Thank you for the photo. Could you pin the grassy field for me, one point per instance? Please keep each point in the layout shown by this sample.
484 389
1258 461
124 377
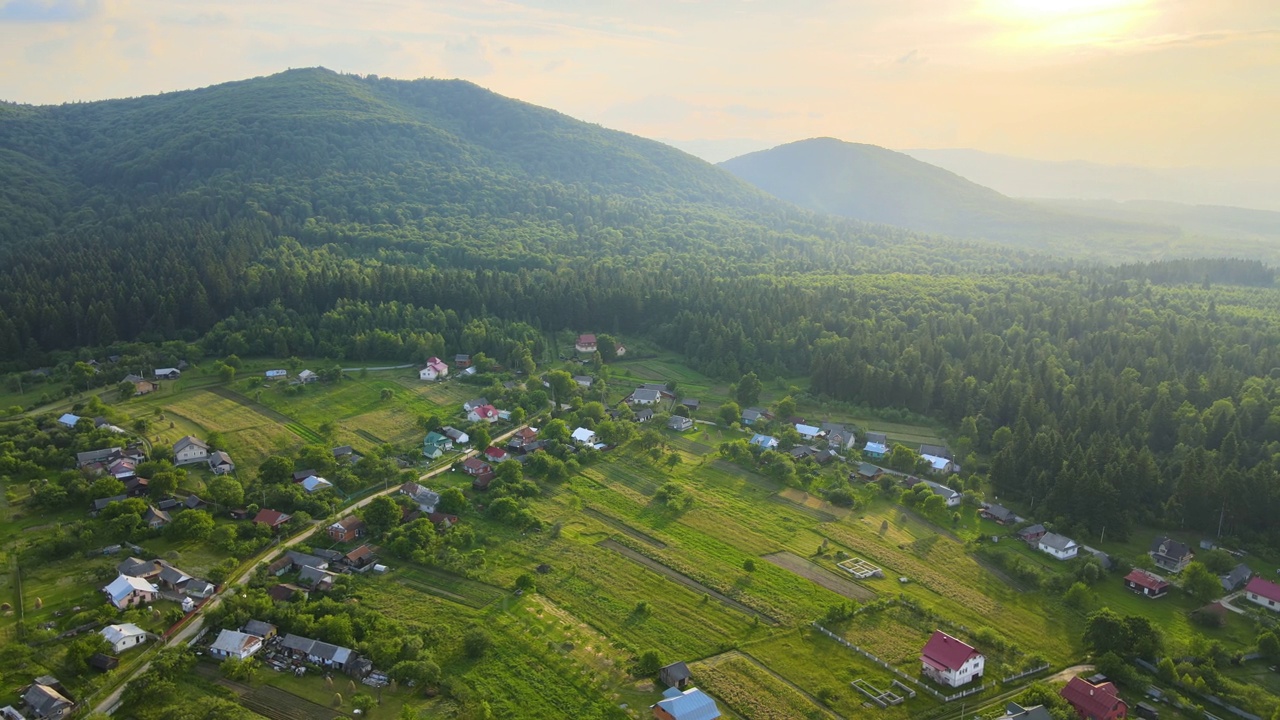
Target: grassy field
753 691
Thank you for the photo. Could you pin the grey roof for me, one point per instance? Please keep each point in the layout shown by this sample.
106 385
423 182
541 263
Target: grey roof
198 586
752 414
233 642
189 440
192 502
1014 711
645 414
692 704
868 469
1032 529
692 403
342 450
172 575
136 567
1170 548
1056 541
475 403
1238 576
313 575
220 458
93 456
43 700
676 422
102 503
936 451
298 643
303 559
877 437
1000 512
259 628
646 395
676 671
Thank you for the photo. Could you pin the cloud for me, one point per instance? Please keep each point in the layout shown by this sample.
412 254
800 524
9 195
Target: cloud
49 11
467 58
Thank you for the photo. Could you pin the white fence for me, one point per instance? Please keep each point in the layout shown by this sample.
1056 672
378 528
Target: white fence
899 673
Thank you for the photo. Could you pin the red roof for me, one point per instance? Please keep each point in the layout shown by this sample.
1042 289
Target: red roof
1099 702
1147 580
271 517
494 453
586 339
475 463
946 652
1264 589
485 412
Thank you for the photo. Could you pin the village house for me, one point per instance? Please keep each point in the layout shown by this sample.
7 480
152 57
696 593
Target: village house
190 450
751 415
495 454
1146 584
425 498
867 472
1094 702
98 459
276 374
125 636
220 463
346 454
315 483
264 630
940 451
273 519
435 369
474 466
1059 546
46 699
766 442
998 513
586 343
315 578
584 381
949 495
462 361
1263 592
1031 534
143 387
838 437
644 396
877 445
948 661
1236 579
347 529
167 373
691 704
808 432
139 568
644 415
583 436
68 420
456 435
939 465
235 644
474 403
483 413
434 445
360 558
679 424
521 438
156 518
126 592
692 403
306 377
1169 554
675 675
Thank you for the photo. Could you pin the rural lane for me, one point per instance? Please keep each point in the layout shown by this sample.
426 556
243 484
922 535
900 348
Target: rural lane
112 701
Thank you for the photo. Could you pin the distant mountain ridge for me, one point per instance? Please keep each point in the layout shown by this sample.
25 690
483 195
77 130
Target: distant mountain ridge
878 185
1257 188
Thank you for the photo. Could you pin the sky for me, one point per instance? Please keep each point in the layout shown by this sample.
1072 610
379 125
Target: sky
1163 83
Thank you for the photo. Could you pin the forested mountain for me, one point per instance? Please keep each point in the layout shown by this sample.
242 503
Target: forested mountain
323 215
157 215
871 183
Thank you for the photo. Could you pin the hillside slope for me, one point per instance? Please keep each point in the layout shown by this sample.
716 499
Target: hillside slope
873 184
158 216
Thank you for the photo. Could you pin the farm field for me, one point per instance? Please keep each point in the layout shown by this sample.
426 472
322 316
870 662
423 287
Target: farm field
753 691
250 436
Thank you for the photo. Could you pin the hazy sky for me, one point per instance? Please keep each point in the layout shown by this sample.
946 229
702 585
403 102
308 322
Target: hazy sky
1152 82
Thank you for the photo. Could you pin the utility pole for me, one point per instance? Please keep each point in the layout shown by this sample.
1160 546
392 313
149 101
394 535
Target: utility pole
1221 514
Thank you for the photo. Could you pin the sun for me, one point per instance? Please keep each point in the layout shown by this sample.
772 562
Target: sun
1064 22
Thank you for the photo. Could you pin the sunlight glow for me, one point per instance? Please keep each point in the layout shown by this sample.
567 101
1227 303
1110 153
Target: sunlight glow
1064 22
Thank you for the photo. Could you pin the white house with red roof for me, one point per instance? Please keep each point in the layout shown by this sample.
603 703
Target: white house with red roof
1094 702
1264 593
948 661
487 413
495 454
585 344
435 369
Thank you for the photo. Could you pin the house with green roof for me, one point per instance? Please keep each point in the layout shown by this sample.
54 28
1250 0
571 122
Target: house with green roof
435 445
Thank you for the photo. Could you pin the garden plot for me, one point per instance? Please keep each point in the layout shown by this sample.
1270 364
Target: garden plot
820 576
883 698
860 568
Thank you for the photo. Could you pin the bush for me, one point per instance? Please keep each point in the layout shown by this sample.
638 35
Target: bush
476 643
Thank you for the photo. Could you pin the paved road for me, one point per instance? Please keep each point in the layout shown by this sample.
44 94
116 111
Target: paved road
192 629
